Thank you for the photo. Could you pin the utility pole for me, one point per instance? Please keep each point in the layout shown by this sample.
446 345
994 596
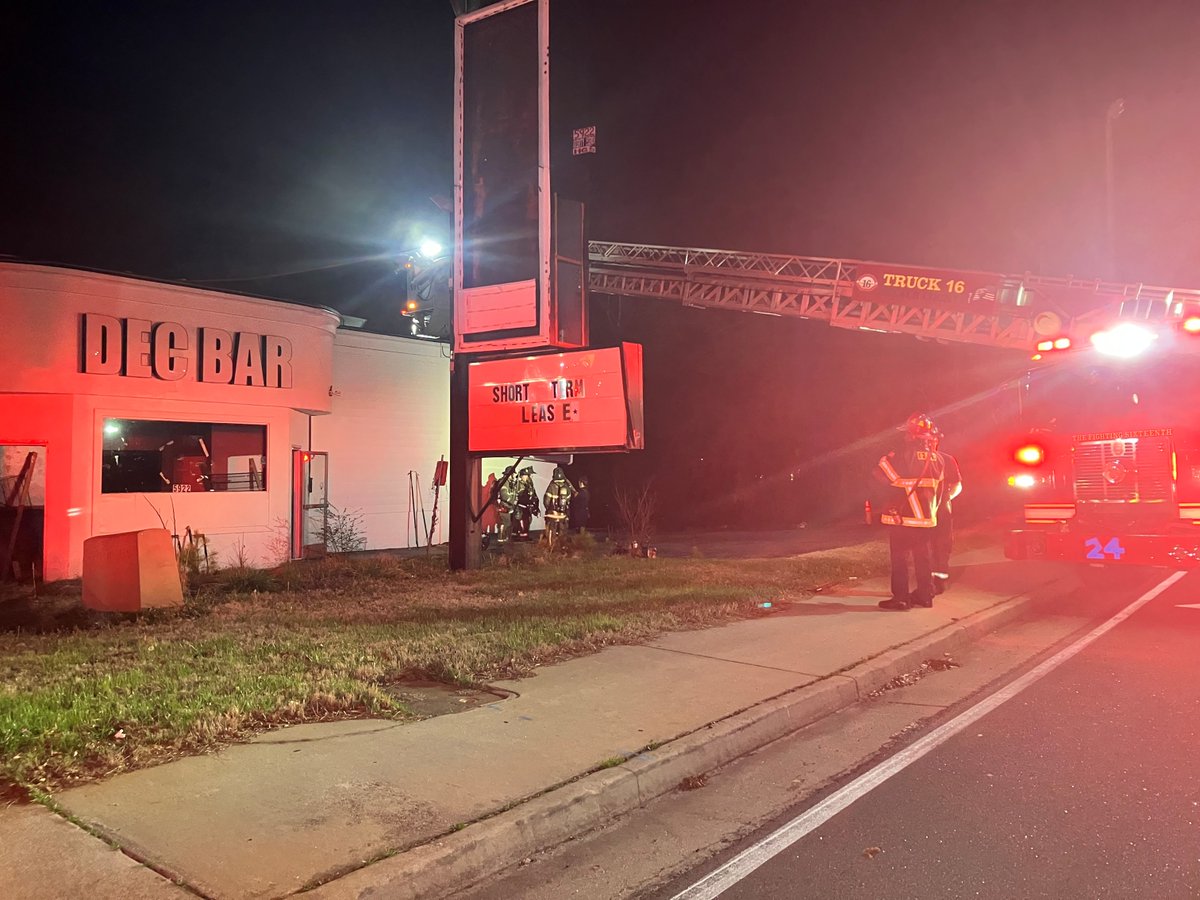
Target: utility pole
1114 112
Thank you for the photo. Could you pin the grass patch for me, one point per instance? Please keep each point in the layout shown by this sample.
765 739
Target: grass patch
88 696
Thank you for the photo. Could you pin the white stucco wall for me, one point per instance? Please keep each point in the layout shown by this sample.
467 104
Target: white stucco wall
391 416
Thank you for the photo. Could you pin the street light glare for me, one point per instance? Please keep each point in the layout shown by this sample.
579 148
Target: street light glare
429 248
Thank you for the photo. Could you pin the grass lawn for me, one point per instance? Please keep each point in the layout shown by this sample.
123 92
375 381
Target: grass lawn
87 698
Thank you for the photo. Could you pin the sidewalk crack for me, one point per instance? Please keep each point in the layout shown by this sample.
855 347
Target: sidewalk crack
736 662
922 705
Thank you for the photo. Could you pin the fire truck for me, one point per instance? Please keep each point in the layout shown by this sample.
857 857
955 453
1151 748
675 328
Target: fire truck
1107 463
1109 468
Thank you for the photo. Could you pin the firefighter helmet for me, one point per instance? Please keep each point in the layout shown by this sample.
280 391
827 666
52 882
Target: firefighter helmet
919 426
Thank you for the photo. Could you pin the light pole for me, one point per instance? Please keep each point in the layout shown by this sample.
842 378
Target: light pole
1114 112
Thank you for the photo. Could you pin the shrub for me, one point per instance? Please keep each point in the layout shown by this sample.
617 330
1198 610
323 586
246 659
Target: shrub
245 580
343 531
636 509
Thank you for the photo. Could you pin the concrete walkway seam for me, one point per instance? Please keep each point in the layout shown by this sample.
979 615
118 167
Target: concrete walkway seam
487 847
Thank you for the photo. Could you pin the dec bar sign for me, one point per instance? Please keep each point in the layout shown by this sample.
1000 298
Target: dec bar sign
579 400
139 348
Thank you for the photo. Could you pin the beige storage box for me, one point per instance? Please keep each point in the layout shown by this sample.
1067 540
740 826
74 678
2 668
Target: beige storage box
132 571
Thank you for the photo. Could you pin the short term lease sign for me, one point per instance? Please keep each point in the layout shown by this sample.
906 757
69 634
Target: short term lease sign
580 400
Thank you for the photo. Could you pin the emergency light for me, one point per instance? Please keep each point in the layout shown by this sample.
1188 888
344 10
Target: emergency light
1123 341
1192 325
1062 343
1030 454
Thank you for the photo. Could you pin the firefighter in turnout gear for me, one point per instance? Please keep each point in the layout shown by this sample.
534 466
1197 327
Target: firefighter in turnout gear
557 499
506 502
914 473
527 504
943 532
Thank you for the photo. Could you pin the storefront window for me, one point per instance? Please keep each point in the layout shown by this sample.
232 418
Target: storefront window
182 457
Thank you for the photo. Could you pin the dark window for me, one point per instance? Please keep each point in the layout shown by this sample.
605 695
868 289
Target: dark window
141 456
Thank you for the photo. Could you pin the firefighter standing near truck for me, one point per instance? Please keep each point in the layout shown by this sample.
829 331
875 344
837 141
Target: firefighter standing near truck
557 500
506 501
914 474
943 532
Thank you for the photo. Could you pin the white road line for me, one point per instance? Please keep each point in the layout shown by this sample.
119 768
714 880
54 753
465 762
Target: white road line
720 880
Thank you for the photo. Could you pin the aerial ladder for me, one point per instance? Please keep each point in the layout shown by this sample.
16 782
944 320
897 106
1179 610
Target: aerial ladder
992 309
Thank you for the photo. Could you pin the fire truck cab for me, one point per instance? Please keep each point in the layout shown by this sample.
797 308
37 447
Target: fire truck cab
1109 464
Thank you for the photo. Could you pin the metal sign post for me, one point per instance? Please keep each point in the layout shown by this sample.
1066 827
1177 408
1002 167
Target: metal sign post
466 540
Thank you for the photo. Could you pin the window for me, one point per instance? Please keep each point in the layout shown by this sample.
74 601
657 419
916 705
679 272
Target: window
182 457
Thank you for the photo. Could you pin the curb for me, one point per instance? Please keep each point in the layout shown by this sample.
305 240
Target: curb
457 861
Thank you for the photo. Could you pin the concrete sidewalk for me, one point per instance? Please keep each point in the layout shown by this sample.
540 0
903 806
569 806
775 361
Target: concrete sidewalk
311 803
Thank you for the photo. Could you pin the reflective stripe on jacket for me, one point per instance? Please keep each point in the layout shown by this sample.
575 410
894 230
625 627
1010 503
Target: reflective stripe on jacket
916 473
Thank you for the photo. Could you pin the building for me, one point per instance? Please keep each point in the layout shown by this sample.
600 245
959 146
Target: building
240 419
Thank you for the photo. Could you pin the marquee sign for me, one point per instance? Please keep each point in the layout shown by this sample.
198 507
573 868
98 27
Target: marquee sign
575 401
905 284
520 258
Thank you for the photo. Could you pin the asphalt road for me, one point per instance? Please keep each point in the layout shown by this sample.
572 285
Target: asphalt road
1086 784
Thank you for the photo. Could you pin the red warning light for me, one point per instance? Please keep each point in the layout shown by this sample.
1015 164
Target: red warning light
1062 343
1030 454
1192 325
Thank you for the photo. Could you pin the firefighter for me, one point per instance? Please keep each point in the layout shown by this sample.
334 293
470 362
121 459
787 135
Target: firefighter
527 504
913 473
557 499
943 532
580 507
506 502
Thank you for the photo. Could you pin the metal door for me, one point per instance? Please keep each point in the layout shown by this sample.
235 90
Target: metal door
310 503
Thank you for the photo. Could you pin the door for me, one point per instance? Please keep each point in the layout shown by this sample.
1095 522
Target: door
310 503
22 511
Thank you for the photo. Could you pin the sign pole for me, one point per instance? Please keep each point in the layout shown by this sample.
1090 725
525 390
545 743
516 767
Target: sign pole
466 541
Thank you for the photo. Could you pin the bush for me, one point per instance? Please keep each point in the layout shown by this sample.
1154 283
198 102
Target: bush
246 580
343 532
636 510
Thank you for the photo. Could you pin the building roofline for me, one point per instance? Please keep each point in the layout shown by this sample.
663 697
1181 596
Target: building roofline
12 263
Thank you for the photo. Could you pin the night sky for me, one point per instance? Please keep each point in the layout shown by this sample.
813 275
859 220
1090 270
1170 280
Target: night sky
219 142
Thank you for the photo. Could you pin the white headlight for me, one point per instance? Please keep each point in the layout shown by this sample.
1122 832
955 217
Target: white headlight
1125 340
